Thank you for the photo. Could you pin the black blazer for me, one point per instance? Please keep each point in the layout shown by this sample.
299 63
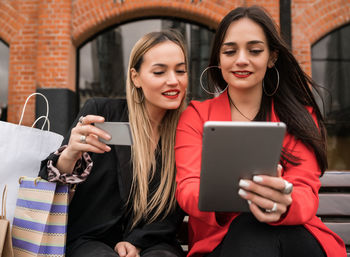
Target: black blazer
98 209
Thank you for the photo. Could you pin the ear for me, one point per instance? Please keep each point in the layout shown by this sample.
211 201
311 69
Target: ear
272 59
135 77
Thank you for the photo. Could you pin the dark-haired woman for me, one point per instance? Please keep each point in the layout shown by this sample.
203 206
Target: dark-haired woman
259 80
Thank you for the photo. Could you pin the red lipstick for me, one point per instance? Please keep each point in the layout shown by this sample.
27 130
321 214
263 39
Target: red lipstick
242 74
171 94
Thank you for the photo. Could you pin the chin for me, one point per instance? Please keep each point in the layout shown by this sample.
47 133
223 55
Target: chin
173 106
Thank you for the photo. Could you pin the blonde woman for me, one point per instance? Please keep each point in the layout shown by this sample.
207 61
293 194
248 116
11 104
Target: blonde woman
125 205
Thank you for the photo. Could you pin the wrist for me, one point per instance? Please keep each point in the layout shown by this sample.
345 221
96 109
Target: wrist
67 160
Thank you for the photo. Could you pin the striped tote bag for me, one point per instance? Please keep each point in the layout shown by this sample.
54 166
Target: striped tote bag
40 222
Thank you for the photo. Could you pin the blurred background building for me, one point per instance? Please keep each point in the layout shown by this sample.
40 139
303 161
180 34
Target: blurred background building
71 50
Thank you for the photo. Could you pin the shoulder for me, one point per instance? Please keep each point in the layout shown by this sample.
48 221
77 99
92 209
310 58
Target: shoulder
204 105
201 108
216 108
311 121
307 111
104 102
313 115
195 111
110 108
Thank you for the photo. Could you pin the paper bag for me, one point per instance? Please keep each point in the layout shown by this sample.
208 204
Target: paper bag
21 151
5 231
40 224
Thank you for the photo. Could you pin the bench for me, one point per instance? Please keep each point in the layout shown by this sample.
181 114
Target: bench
334 207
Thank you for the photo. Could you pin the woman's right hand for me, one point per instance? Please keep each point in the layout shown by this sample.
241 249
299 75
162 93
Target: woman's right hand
84 138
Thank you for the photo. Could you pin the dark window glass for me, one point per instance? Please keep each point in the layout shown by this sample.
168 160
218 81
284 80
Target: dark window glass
4 71
103 60
331 69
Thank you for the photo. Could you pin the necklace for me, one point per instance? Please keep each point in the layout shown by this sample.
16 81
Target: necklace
229 98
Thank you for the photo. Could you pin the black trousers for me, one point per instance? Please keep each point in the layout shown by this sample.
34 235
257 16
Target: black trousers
99 249
247 237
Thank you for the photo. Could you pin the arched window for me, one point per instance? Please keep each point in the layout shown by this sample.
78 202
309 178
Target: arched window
4 71
103 60
331 69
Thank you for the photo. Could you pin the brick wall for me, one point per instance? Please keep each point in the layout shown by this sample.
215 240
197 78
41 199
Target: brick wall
41 50
311 21
43 35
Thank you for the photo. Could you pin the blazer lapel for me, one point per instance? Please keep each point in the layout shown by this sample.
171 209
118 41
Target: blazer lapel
274 117
220 109
124 169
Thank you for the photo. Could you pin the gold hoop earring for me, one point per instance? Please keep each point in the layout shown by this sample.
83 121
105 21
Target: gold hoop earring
133 96
278 83
201 83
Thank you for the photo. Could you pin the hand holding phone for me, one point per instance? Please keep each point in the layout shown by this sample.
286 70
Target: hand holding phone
119 131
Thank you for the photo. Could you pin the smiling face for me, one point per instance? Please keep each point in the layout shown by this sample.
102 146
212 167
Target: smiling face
162 77
245 55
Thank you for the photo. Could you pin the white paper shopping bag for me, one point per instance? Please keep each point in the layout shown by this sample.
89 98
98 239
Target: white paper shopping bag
21 151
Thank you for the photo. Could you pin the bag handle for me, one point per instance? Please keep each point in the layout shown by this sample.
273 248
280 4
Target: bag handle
47 109
3 205
35 180
42 117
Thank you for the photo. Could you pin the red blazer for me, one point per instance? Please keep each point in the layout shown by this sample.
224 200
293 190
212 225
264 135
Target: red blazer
207 229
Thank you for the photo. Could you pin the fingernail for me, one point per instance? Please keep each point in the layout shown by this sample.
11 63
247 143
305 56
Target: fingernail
249 202
243 183
242 192
108 136
108 148
257 179
280 166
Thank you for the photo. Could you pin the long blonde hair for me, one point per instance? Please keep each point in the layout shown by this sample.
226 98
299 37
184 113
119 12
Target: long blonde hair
144 160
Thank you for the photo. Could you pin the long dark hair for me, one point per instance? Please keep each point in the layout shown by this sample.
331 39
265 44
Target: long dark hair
294 92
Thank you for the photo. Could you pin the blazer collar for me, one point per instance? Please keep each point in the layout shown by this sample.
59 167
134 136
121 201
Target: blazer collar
221 109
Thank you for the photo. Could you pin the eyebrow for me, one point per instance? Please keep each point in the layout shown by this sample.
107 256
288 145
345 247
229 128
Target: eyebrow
164 65
252 42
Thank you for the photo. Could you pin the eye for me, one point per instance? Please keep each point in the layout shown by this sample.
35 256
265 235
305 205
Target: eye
181 71
229 52
256 51
158 72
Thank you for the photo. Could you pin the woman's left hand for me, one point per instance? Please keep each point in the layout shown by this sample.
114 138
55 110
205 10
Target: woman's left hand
265 196
125 249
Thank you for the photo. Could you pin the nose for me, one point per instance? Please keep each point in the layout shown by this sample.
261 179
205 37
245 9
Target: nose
172 78
242 58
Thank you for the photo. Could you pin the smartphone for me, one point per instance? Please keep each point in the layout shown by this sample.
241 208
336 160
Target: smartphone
119 131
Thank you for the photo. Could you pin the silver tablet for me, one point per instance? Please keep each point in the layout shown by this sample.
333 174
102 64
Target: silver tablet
235 150
119 131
